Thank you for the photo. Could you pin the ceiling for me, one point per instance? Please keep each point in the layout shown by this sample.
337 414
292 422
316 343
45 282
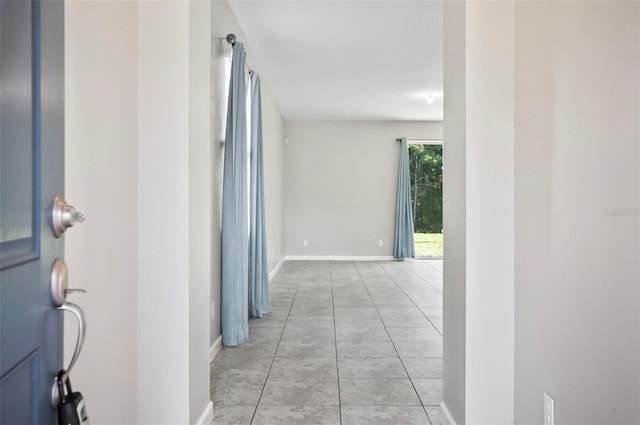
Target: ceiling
347 60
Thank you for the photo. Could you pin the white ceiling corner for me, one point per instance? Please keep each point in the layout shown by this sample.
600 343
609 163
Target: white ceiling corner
347 60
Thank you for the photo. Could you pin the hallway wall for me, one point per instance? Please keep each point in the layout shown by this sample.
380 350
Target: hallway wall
200 205
101 180
577 197
224 22
137 155
489 132
454 210
273 151
552 198
341 184
173 280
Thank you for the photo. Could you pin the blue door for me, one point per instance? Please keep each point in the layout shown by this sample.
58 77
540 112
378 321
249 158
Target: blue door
31 174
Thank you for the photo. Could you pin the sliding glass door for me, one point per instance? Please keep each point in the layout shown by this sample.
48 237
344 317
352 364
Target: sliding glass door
425 162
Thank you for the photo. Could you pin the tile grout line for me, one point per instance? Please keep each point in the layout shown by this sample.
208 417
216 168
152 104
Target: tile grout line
359 270
414 303
425 280
277 346
391 339
427 317
335 341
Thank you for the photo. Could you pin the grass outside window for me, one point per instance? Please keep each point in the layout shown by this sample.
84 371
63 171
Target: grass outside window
428 244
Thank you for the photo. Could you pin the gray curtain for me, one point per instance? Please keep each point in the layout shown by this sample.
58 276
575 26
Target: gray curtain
235 215
259 299
403 241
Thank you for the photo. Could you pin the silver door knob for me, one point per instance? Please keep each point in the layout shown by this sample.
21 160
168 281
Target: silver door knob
64 216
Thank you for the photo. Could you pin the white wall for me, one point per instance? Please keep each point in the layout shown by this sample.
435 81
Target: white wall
341 183
200 206
100 174
137 162
490 212
552 197
454 210
224 22
173 130
273 134
577 183
163 213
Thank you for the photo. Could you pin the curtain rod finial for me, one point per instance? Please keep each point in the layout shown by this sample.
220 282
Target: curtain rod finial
231 38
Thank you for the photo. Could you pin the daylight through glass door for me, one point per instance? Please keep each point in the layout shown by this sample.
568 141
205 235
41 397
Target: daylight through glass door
425 162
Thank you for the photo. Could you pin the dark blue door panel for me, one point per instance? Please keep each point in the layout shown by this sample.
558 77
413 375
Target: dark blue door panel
31 174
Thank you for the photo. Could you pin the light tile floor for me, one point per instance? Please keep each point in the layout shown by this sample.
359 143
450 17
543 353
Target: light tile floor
348 343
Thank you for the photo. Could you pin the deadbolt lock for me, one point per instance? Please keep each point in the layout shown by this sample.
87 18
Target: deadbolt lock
64 216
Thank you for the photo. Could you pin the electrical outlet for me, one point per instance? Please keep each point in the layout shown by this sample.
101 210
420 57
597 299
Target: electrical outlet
213 309
305 242
380 242
549 410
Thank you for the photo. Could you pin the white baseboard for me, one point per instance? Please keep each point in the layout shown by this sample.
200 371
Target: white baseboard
215 348
276 268
447 415
339 257
207 415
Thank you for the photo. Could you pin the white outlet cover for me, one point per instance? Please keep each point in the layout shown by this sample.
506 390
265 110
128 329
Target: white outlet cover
549 410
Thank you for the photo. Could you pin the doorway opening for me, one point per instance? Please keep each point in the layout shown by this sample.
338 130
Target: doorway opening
425 168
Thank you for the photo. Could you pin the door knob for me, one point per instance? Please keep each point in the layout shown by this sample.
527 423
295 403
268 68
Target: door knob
64 216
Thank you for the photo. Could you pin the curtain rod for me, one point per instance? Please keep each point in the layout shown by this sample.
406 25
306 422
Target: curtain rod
421 140
231 38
